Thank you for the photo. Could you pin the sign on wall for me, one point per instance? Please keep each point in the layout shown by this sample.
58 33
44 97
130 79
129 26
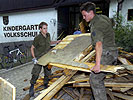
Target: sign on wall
24 26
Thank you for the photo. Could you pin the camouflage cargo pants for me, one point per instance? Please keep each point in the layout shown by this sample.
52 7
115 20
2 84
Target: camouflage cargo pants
36 71
97 79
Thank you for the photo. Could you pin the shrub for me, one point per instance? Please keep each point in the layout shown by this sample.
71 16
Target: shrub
123 34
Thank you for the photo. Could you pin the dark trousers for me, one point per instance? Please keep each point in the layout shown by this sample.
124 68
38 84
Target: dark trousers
97 79
36 71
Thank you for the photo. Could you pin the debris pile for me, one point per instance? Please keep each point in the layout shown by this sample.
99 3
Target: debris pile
74 80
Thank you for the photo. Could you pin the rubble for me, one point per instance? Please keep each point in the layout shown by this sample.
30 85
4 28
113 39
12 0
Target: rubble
74 79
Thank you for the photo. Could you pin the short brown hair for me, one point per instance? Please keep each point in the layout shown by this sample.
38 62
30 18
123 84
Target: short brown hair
42 23
88 6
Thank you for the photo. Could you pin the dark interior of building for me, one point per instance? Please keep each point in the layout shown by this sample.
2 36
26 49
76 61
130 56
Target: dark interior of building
69 17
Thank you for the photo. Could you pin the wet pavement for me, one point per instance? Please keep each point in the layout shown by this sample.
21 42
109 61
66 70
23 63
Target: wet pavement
20 77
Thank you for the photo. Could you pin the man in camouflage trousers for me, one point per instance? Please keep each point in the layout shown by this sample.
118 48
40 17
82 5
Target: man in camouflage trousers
103 41
40 46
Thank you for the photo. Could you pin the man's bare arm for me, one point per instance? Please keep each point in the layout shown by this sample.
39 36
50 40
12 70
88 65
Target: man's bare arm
98 49
32 51
55 42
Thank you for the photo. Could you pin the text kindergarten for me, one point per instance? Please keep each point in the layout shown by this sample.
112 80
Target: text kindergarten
21 31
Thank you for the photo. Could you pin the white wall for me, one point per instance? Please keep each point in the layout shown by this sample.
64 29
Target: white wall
127 4
29 18
112 8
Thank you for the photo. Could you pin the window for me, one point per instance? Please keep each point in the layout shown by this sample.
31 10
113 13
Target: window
130 15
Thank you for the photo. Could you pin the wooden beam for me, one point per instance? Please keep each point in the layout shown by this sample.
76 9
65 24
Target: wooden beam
83 54
129 68
81 93
107 84
76 92
124 61
130 92
107 68
62 93
123 96
58 87
126 52
69 67
68 93
119 89
55 87
67 40
78 81
46 91
89 56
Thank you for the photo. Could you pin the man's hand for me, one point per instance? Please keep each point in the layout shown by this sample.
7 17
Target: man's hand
58 41
96 68
35 61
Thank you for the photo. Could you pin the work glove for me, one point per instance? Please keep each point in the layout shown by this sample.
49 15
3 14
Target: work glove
35 61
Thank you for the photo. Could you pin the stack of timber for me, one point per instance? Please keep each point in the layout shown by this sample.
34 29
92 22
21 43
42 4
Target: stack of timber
7 90
75 55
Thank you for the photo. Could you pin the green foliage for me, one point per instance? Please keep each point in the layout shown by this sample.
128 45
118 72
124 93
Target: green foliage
123 34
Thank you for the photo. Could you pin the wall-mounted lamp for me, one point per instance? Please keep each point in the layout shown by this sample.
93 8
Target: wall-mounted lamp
53 21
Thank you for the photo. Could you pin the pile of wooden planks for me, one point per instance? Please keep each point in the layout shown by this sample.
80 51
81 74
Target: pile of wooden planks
75 55
76 85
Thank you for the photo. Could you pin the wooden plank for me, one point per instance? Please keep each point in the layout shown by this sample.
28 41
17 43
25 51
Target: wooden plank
126 52
128 67
107 68
69 67
7 90
89 56
67 40
130 92
45 92
55 86
107 84
58 87
68 93
119 89
83 54
78 81
76 92
62 93
81 93
123 96
56 75
124 61
80 76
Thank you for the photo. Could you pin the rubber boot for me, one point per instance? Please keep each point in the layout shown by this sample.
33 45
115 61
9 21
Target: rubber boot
31 91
